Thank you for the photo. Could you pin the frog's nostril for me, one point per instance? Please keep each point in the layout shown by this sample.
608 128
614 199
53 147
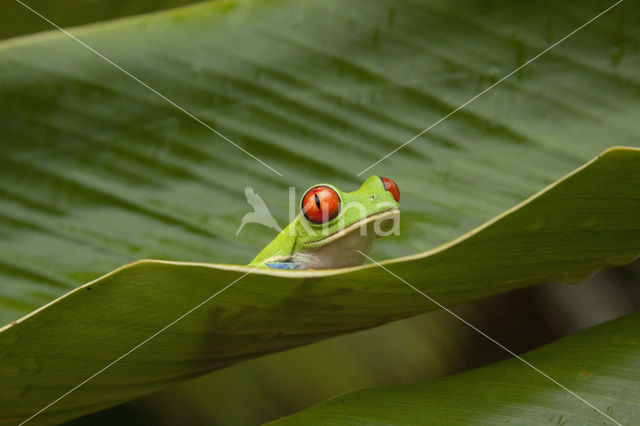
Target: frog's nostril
373 197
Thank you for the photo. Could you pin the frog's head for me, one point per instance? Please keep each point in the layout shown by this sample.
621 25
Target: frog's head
337 223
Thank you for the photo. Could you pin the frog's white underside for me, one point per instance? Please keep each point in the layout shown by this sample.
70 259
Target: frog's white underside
340 250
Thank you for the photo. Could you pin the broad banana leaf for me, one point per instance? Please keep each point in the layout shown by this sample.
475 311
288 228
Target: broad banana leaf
97 171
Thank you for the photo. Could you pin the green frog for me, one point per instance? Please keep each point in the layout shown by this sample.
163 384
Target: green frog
334 228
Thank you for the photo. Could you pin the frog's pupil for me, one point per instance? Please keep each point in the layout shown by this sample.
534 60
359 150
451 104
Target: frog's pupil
317 201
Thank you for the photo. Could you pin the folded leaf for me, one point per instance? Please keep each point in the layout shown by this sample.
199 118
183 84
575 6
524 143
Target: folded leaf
584 222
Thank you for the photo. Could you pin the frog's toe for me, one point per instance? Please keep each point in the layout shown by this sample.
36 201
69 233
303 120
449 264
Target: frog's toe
284 265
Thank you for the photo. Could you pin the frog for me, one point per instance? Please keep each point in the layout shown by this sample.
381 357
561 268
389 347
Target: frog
334 229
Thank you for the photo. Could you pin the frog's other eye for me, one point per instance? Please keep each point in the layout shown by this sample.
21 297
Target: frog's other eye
391 186
320 204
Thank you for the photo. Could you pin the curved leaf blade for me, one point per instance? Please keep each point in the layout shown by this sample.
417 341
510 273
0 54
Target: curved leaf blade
584 222
600 364
16 20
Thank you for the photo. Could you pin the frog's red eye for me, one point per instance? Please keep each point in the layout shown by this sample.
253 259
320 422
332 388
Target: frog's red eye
320 204
391 186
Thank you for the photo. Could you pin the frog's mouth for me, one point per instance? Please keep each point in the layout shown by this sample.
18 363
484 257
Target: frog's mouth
345 247
378 224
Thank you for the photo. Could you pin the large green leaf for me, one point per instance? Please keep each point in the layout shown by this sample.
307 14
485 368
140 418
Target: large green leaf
586 221
601 365
16 19
97 171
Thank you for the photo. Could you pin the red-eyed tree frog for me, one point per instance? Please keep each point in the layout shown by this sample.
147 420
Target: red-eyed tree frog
333 226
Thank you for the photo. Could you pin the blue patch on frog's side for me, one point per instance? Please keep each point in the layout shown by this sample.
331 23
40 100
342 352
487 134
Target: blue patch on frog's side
283 265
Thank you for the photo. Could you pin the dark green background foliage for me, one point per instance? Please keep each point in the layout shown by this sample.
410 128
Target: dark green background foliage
97 171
